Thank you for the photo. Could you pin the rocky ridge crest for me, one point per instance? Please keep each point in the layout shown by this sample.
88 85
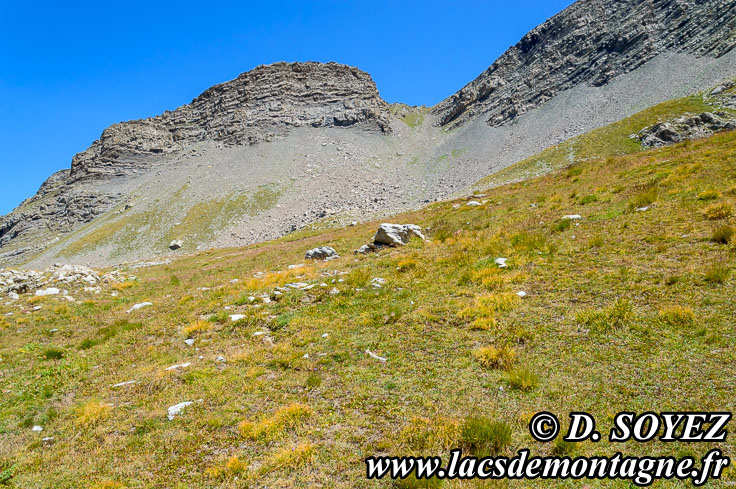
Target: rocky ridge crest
589 42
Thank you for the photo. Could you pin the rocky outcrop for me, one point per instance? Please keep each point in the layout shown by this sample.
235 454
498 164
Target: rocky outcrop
257 106
685 127
590 42
724 95
392 235
14 282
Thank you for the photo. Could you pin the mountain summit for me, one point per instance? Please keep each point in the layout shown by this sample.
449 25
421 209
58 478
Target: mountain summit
288 145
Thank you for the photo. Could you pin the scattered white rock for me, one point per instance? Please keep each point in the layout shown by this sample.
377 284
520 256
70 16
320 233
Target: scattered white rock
521 293
572 217
325 253
373 355
474 203
260 333
176 244
49 291
139 306
177 408
298 265
37 308
325 335
37 428
455 206
643 209
122 384
220 359
177 367
305 356
234 281
334 291
236 317
501 262
378 282
13 296
94 290
189 342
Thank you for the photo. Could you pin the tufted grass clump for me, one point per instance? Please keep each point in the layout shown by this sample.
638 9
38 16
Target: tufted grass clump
644 198
233 467
486 307
197 327
715 212
562 225
483 436
528 241
522 379
53 353
709 194
421 434
285 418
722 234
588 199
92 413
489 278
291 457
616 316
107 484
495 358
677 316
717 272
406 264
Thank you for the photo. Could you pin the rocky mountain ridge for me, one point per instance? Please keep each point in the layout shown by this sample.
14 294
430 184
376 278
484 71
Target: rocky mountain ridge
257 106
590 42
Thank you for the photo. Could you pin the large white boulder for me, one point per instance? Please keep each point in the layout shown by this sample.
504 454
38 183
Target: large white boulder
396 234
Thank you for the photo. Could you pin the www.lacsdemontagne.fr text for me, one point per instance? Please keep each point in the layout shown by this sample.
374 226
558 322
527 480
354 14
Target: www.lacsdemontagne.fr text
642 471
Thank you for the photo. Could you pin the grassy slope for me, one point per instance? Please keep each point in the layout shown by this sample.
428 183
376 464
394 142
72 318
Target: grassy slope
442 301
610 140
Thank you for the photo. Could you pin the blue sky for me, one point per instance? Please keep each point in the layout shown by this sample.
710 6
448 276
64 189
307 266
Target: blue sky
70 69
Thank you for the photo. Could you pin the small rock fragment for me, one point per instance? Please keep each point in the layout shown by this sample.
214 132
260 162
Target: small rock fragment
176 409
139 306
373 355
177 367
49 291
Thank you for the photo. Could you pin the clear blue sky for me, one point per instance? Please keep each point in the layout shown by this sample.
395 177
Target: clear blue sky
70 69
